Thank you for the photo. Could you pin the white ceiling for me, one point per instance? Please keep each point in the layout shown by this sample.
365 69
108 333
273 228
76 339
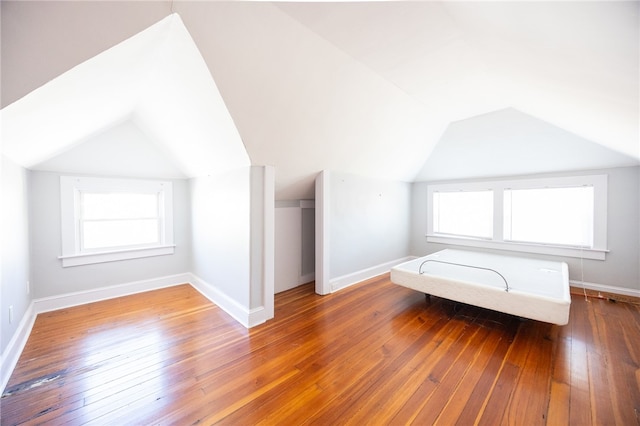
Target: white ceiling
363 88
520 145
560 61
120 150
155 81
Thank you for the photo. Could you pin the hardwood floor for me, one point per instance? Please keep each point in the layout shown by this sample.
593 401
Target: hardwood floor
374 353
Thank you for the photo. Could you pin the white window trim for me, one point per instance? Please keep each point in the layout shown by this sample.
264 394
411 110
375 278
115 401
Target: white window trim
70 187
599 183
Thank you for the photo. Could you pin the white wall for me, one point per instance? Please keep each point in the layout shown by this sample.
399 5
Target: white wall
232 235
220 221
294 244
369 222
288 248
223 232
49 278
622 265
15 249
364 227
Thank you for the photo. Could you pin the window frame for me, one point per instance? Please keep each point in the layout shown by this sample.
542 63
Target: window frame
70 189
599 183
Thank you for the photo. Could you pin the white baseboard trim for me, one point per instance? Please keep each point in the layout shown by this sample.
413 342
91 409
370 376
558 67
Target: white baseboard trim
16 345
12 352
347 280
227 304
68 300
304 279
605 288
248 318
258 316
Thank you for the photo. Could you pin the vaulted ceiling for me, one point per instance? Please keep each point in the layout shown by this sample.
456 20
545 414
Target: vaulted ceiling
393 90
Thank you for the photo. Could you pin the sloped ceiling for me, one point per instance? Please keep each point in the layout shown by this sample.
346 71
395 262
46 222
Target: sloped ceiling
122 150
520 145
156 81
363 88
562 62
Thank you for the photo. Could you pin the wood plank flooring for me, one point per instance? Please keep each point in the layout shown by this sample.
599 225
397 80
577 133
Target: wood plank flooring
374 353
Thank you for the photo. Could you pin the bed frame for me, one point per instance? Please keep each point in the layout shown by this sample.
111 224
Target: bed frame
529 288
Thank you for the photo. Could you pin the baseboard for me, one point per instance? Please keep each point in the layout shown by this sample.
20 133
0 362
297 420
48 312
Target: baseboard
305 279
606 290
257 316
17 343
68 300
347 280
227 304
12 352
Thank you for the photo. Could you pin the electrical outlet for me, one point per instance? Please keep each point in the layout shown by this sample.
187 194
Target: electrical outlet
10 314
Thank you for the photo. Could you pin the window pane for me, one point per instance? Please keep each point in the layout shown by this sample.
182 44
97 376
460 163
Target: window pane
561 216
119 233
119 205
467 214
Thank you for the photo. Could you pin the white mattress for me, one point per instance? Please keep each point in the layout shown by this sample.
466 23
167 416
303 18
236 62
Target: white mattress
538 289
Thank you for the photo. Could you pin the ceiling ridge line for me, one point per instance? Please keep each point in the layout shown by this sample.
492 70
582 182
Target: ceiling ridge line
354 59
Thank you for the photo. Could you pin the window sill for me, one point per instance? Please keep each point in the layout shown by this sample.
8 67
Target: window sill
115 255
594 254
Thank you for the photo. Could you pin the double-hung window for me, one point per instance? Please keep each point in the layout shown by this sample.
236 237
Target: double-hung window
114 219
560 216
463 213
564 216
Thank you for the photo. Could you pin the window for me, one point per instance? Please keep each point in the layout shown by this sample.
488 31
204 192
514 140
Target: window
468 214
114 219
110 220
562 216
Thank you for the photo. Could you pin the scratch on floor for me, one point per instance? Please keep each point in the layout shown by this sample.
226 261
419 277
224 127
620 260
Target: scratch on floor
33 383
